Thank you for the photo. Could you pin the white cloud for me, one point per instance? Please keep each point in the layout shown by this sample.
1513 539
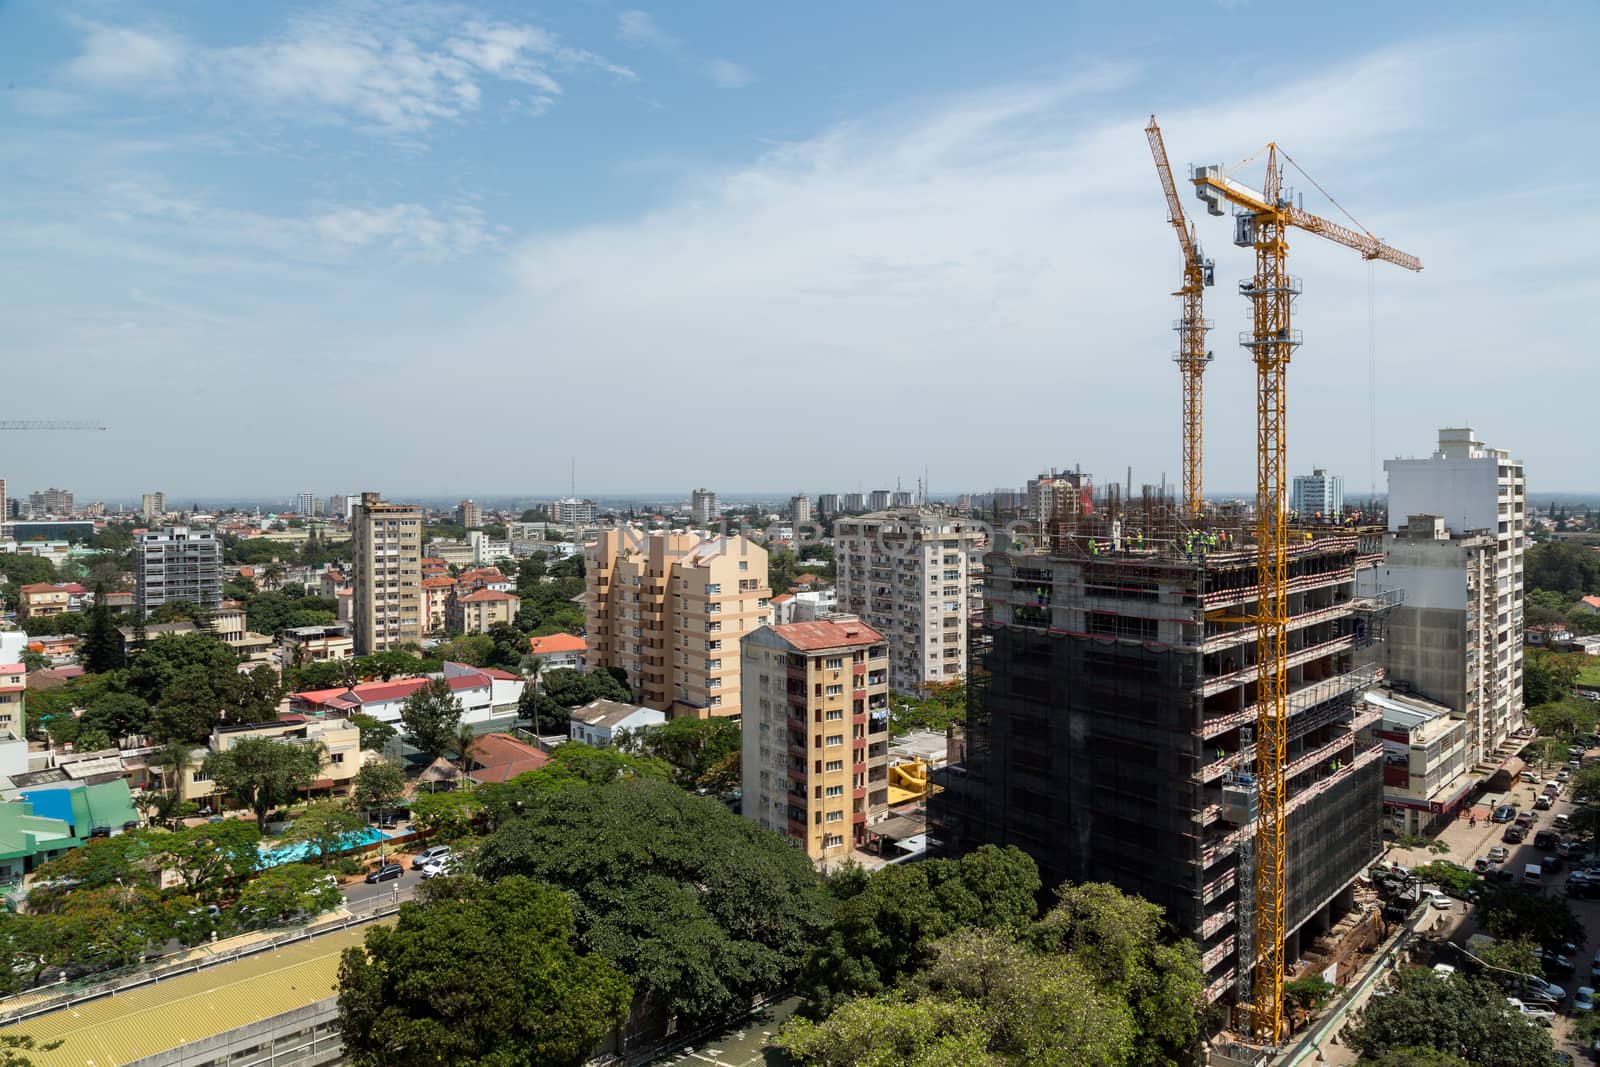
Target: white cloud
328 234
119 56
984 286
640 29
725 74
395 70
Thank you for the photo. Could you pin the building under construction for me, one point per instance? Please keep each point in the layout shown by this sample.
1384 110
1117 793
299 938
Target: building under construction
1111 702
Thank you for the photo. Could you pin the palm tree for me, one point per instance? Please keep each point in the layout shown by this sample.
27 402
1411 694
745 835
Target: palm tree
465 739
272 577
172 759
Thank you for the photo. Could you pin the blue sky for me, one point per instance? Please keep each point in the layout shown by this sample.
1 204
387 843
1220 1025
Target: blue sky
440 248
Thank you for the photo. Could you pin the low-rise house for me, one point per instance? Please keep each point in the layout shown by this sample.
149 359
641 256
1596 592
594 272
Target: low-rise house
597 722
59 649
28 839
558 652
340 741
40 600
477 611
484 578
501 757
486 695
1426 764
317 644
1591 604
90 808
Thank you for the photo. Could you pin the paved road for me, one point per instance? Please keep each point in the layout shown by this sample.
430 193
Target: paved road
1468 842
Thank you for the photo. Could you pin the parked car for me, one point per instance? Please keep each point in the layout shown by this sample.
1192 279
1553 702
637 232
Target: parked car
1564 774
1498 854
1537 988
1504 813
429 855
1554 963
1438 899
1563 821
1545 839
1533 1014
1525 820
1530 776
1570 850
1514 835
1543 803
387 873
1482 864
1552 789
438 868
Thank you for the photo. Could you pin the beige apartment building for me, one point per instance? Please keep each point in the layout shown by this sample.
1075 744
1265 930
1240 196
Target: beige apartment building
914 576
816 732
339 738
386 575
475 612
669 609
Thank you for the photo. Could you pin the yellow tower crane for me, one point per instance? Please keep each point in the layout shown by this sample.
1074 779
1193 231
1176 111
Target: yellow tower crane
1192 357
1262 221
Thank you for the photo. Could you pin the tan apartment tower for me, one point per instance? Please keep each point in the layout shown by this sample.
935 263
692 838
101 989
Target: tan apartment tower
669 609
387 574
816 732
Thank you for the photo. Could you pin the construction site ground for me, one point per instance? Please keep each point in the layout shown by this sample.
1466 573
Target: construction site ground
1466 843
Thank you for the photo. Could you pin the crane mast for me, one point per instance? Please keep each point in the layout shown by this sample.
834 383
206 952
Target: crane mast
1192 357
1261 222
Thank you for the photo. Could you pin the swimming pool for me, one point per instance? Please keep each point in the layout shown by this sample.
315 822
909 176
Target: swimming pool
300 850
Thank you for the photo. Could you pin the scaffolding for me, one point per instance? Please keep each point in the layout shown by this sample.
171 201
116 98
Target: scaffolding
1111 710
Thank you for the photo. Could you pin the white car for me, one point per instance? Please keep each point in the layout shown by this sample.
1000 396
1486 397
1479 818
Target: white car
1531 1013
1583 999
1443 970
439 867
1438 898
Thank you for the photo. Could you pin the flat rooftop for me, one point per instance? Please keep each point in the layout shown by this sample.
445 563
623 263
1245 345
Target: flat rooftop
178 1011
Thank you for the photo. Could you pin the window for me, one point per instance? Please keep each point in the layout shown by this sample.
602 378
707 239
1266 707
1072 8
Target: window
337 757
713 588
835 816
713 664
836 765
835 690
835 740
832 841
714 702
714 645
836 791
834 664
835 715
744 564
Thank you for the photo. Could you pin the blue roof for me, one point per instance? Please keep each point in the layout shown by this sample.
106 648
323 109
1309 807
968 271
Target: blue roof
53 804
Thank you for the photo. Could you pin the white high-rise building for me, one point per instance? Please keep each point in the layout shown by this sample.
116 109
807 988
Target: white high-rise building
1457 535
800 510
1318 496
176 564
912 575
306 504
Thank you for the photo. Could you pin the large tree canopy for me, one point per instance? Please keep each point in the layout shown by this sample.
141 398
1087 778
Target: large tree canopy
488 974
702 908
1462 1016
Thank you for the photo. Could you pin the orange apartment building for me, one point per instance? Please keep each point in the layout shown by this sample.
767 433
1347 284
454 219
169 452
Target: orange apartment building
816 732
670 609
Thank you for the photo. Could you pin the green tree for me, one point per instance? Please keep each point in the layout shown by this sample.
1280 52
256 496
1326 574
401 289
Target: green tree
375 733
702 908
1563 567
780 570
92 739
211 858
1517 956
378 784
1126 944
98 862
703 752
326 829
447 816
1509 911
285 892
508 646
1547 677
482 974
102 645
264 772
886 931
1460 1016
430 717
561 691
1418 1057
1452 879
118 714
890 1031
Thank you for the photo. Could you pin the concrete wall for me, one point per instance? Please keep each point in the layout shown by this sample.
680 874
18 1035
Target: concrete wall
1463 492
1427 647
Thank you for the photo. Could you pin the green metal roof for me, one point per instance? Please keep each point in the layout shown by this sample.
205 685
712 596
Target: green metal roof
156 1018
22 833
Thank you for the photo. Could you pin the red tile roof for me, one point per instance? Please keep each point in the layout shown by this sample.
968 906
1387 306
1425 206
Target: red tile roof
486 596
557 643
825 633
438 582
381 692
